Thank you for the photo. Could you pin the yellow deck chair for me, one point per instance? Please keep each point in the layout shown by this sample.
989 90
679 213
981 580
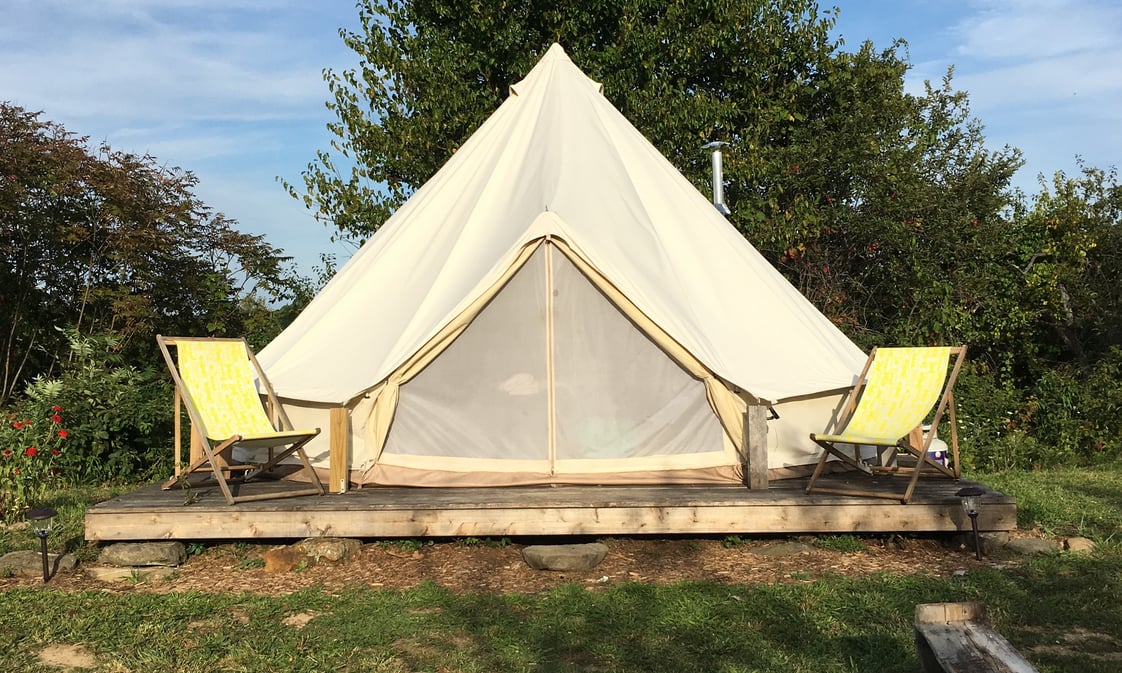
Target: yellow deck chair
894 395
214 382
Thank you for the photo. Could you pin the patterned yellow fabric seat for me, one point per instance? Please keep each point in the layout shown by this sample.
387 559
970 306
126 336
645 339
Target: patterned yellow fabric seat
215 381
896 391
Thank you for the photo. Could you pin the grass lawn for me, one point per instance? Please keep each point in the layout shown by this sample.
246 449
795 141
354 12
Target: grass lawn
1063 612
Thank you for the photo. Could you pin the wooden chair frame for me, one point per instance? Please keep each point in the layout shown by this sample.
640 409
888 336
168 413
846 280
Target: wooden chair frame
216 454
914 444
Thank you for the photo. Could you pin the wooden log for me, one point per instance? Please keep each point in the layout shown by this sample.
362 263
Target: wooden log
755 446
957 638
339 436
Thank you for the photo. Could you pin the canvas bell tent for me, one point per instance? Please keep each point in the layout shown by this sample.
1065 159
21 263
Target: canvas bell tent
558 304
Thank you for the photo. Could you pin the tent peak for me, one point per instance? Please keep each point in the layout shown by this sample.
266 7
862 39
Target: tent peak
555 51
552 62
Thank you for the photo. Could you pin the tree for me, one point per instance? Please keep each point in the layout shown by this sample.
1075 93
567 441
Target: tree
104 241
873 201
430 72
1072 265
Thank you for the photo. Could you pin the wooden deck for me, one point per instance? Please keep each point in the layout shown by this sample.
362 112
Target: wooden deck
379 512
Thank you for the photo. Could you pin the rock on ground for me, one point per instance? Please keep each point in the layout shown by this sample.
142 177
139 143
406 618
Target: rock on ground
27 563
1032 546
565 557
1079 545
781 549
310 552
144 554
283 559
332 549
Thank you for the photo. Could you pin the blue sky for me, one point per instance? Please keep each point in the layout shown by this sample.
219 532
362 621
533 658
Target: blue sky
233 91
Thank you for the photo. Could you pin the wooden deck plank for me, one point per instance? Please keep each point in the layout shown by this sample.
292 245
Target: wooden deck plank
151 513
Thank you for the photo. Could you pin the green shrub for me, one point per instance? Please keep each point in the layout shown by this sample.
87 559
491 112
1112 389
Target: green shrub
1077 413
992 423
1068 416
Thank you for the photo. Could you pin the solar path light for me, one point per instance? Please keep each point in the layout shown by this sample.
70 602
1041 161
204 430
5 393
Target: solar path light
970 504
40 520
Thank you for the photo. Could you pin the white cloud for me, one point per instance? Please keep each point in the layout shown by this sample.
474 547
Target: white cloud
1046 81
231 91
1037 29
133 60
1041 75
1029 52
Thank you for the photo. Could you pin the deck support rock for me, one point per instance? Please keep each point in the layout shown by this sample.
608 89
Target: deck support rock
144 554
565 557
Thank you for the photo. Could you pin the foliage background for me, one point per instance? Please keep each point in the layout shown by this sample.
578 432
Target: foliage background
885 207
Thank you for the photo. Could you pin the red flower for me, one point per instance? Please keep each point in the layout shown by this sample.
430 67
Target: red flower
55 452
18 425
7 453
31 451
56 408
15 471
64 434
56 419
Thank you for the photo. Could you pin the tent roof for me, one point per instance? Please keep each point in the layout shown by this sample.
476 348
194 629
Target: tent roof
558 159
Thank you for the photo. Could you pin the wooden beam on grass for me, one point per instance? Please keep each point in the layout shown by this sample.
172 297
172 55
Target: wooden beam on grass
958 638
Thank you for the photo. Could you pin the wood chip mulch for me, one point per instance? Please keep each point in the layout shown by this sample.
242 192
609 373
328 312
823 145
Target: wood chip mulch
489 567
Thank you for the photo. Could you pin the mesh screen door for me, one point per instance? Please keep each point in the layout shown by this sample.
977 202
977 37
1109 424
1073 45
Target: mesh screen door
486 395
550 370
618 395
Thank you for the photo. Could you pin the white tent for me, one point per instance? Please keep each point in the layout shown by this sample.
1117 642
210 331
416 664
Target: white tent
559 305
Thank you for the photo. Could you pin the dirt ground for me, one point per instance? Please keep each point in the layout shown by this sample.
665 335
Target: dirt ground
498 567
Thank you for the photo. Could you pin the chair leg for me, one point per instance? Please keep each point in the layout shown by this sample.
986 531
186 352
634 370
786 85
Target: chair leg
817 469
310 470
923 461
275 459
218 475
298 449
208 457
185 474
218 469
829 449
